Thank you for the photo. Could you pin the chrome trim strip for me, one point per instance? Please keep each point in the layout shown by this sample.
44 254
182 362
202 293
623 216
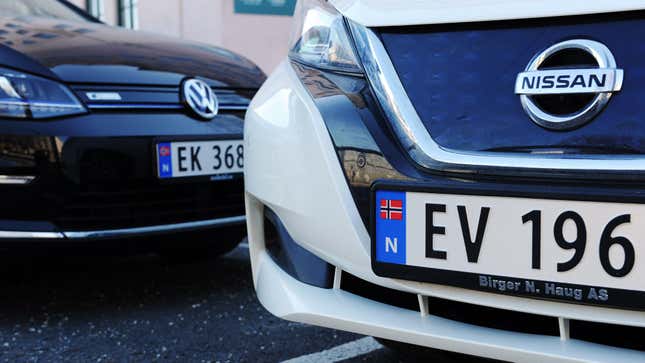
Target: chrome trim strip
415 138
140 106
17 179
233 107
613 83
104 96
152 230
30 235
126 232
155 106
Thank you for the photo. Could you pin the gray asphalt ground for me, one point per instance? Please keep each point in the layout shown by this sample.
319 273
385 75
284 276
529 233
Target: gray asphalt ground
145 308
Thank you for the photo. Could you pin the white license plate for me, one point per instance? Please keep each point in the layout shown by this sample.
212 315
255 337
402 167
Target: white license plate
569 250
198 158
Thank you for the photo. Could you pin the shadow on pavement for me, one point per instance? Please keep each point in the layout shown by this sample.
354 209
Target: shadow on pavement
143 308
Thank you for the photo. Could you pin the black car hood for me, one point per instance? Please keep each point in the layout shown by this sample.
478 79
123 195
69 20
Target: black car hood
97 53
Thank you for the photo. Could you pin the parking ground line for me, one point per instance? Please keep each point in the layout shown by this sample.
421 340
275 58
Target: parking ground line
339 353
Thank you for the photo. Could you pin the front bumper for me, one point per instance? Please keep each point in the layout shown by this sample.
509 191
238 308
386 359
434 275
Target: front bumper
290 299
94 177
308 191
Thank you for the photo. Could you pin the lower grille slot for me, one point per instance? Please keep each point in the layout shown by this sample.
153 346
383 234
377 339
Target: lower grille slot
619 336
493 318
360 287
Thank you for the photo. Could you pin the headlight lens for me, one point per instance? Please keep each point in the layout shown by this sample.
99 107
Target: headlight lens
27 96
320 38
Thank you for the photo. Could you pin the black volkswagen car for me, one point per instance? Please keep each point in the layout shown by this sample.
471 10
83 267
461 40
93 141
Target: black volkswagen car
117 136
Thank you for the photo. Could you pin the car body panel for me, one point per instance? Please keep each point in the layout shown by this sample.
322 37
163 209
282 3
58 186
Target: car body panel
97 53
14 59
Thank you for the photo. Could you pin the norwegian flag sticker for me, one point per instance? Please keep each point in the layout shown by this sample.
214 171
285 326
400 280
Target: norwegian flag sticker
390 227
164 158
392 209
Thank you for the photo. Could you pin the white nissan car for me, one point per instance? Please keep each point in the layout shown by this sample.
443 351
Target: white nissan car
461 175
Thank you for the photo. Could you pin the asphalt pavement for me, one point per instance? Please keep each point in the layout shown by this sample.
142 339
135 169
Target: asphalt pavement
145 308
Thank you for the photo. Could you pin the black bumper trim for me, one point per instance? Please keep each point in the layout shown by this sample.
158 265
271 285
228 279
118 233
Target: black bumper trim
298 262
124 232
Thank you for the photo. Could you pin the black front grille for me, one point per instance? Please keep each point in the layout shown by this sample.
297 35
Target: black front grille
461 80
146 204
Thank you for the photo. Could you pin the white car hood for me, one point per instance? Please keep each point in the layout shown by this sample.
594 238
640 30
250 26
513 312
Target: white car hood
414 12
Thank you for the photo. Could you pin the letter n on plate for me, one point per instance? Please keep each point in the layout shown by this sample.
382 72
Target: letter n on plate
164 156
390 227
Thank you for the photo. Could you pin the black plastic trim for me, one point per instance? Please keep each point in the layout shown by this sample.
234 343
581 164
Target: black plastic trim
299 263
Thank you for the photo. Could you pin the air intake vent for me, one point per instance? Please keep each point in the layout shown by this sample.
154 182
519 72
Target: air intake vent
493 318
608 334
360 287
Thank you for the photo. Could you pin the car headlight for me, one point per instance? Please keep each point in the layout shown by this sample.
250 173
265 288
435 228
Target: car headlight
27 96
321 39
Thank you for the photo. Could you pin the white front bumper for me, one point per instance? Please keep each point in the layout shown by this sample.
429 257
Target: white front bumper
292 168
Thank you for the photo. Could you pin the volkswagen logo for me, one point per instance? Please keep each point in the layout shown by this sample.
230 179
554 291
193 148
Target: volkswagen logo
198 96
568 84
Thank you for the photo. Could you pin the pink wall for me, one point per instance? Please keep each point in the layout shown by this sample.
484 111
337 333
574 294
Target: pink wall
262 38
164 17
203 20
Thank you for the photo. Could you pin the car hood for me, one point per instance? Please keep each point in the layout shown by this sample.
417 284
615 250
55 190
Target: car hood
415 12
97 53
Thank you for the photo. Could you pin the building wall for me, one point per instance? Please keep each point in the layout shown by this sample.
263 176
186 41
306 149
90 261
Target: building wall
164 17
261 38
202 20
